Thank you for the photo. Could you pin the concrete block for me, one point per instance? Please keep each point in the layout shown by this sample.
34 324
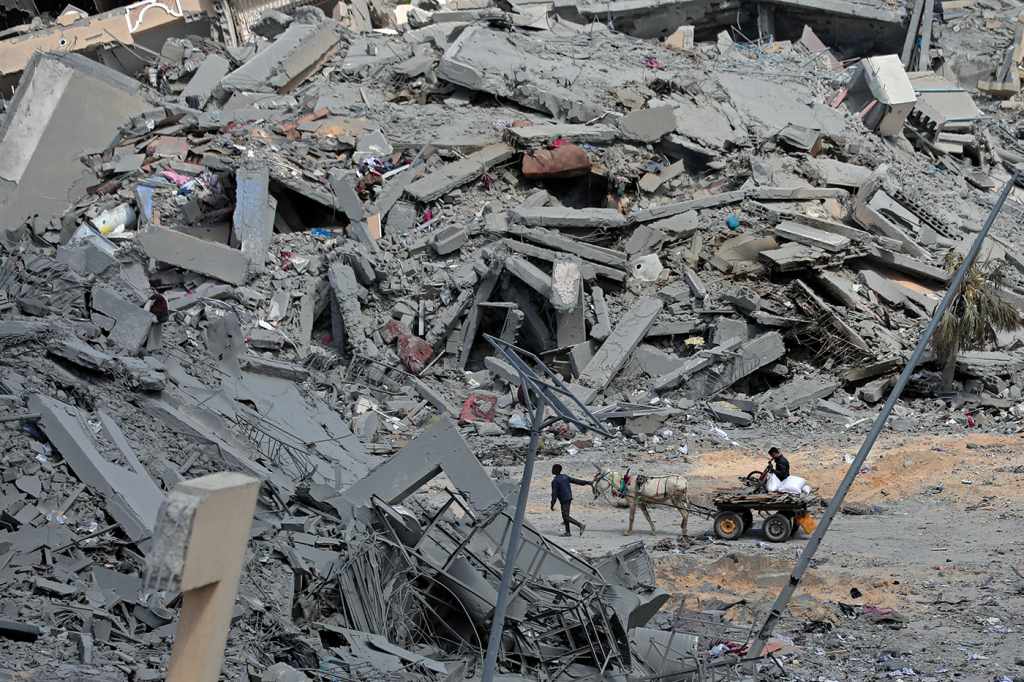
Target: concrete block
616 349
809 236
681 225
562 217
648 125
131 323
449 240
725 412
729 328
198 255
875 391
655 362
200 87
454 175
541 135
795 394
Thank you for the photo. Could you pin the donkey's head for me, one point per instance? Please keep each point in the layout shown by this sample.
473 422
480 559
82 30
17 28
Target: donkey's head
602 481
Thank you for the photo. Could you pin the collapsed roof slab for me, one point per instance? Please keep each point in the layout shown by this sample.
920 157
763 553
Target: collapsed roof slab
531 70
65 106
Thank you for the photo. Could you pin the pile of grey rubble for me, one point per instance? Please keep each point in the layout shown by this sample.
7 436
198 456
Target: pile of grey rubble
710 244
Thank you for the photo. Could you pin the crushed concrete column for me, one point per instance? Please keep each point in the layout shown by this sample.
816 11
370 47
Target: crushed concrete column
567 300
603 328
347 323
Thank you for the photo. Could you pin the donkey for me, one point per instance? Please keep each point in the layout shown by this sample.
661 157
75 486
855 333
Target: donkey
641 491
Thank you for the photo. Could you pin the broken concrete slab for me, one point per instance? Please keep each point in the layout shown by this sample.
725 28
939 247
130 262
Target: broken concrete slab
440 449
288 61
651 182
132 497
453 175
590 252
695 363
589 270
561 217
529 274
802 234
725 412
79 353
130 323
616 349
795 394
520 68
681 225
252 225
839 287
203 82
449 240
890 292
542 135
747 359
648 125
66 106
191 253
906 265
346 199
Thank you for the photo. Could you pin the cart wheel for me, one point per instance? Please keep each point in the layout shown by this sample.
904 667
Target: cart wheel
748 519
728 525
777 528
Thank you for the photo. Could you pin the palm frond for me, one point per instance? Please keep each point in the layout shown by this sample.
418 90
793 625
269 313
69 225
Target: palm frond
976 312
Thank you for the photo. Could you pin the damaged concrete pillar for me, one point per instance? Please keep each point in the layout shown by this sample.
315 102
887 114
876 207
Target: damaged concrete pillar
567 300
252 224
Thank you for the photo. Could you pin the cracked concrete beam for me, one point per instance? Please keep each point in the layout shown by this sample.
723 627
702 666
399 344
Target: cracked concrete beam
617 348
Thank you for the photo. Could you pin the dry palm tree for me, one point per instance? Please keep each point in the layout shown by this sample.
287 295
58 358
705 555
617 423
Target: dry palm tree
974 316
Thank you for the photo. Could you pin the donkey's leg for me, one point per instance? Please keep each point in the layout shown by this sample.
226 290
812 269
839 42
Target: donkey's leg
684 510
632 514
647 515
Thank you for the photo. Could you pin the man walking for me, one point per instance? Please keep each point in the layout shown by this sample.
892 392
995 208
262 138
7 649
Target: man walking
561 491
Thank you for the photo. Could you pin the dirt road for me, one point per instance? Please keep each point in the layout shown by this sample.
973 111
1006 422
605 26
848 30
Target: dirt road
937 550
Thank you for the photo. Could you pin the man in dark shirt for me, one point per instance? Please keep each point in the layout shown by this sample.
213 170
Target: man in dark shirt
780 465
561 491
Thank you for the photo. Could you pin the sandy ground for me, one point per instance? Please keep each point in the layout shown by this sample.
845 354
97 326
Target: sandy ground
938 552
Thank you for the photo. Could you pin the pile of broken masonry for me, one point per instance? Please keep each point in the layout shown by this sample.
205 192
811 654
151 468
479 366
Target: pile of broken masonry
282 258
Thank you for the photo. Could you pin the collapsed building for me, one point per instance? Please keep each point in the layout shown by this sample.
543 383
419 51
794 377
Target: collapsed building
277 251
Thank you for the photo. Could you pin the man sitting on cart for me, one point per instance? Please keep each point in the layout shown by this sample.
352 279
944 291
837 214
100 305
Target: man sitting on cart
779 464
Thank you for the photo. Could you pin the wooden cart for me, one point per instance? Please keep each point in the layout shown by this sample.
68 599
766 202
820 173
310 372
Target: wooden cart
783 514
